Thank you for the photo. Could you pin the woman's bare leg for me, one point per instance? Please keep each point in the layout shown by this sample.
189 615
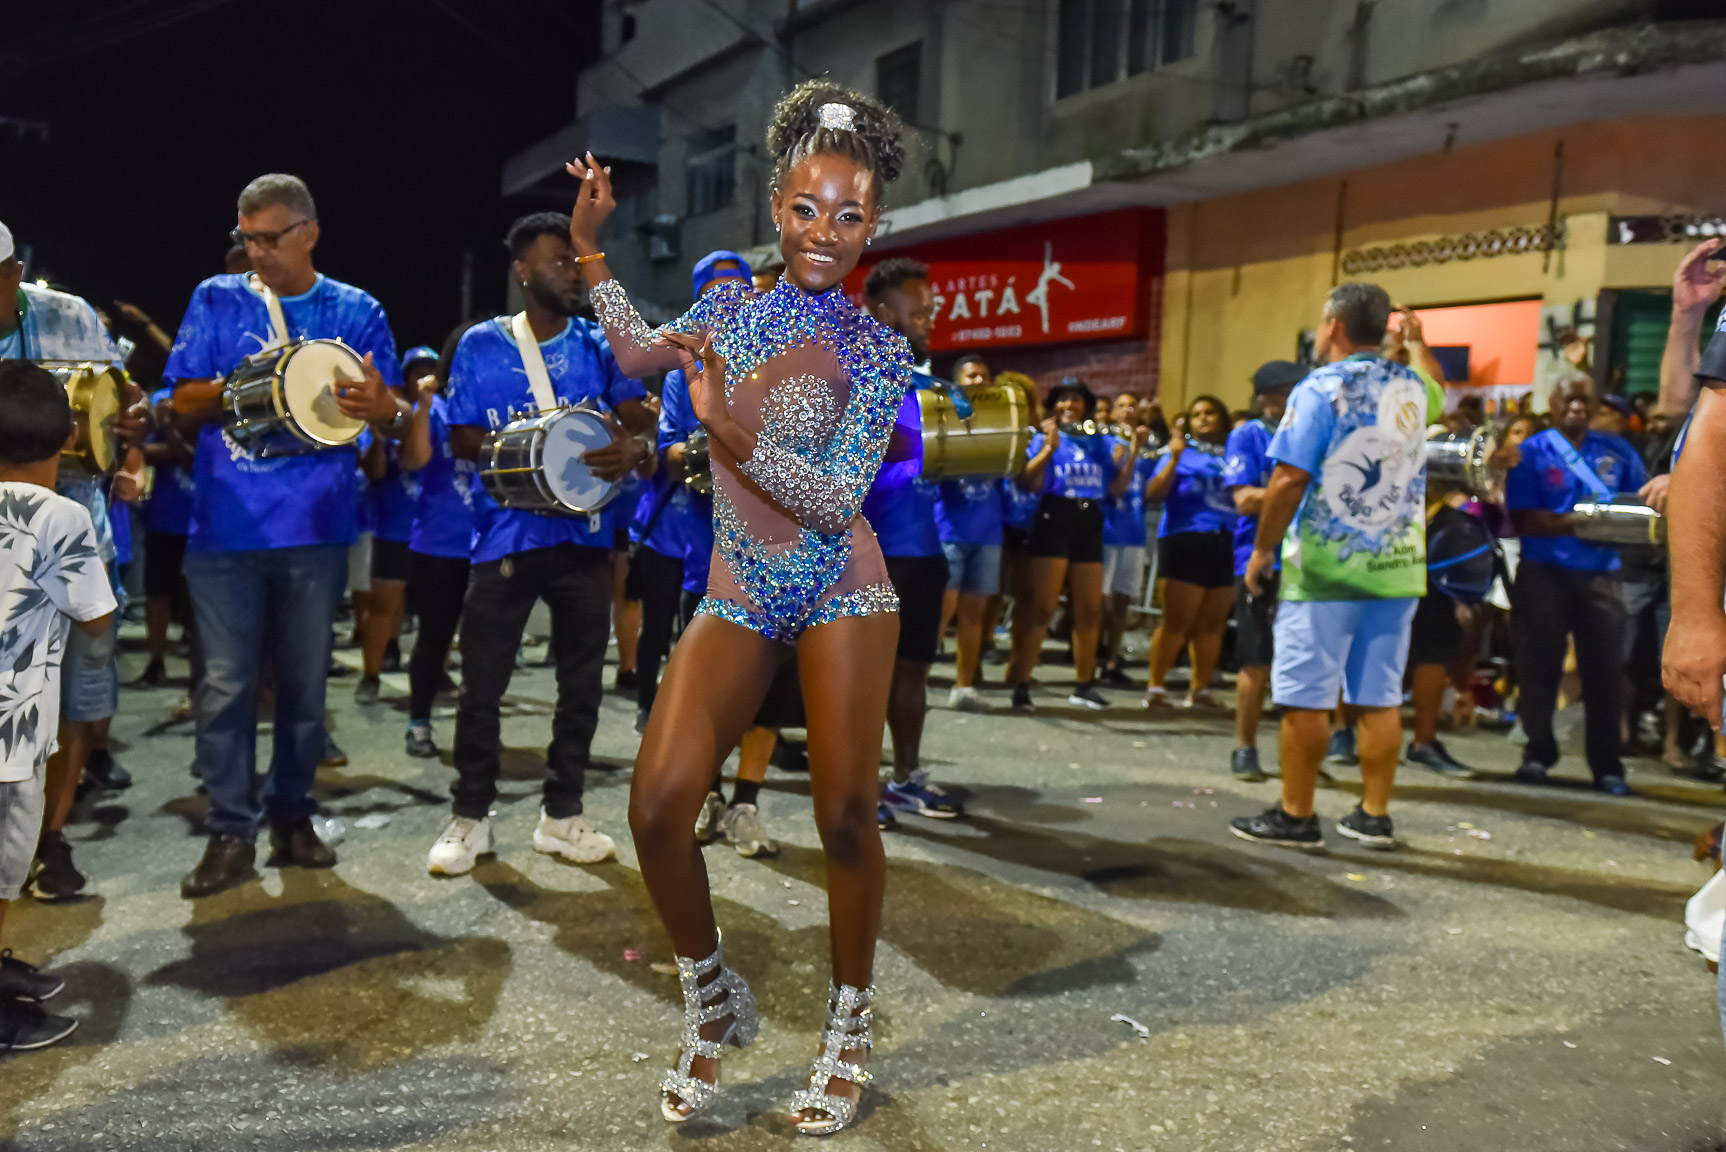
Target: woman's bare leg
1048 576
1086 582
385 604
625 614
969 645
1181 603
1215 607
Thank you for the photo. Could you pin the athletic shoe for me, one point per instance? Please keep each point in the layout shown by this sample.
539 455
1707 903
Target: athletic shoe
1373 831
332 756
921 798
181 709
1342 749
968 699
641 715
1022 698
1244 763
418 743
24 1026
625 681
1613 786
1085 695
884 818
392 661
1117 677
21 981
574 838
744 831
155 675
1532 773
711 818
1156 697
366 691
54 877
1274 826
101 770
1203 698
459 846
1437 757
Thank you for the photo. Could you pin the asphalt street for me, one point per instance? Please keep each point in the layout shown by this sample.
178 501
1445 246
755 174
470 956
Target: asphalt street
1090 960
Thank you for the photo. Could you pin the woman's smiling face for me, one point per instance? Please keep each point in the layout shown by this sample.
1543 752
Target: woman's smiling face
826 210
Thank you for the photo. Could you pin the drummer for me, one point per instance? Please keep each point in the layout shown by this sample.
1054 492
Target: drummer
266 552
521 557
1569 588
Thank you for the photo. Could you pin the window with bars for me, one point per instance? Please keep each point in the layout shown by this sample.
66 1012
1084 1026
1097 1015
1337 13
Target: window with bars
899 78
1102 41
711 169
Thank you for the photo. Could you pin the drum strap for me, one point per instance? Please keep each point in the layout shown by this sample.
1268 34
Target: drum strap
538 380
1579 467
278 322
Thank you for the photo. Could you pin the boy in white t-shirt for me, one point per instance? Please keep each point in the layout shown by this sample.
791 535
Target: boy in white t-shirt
51 577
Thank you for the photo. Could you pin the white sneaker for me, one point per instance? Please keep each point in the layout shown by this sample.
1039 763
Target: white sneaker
968 699
460 846
709 821
745 832
574 838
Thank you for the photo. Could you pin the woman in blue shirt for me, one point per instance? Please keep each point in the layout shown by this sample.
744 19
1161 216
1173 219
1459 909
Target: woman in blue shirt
1195 552
1075 471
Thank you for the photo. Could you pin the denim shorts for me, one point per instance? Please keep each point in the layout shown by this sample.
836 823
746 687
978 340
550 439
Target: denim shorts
90 674
21 807
974 568
1357 647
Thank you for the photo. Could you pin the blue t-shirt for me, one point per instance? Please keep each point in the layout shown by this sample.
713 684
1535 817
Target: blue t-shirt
1247 464
394 499
443 514
900 506
1124 517
685 528
970 511
487 382
169 509
1021 506
244 503
1081 468
1544 480
1199 500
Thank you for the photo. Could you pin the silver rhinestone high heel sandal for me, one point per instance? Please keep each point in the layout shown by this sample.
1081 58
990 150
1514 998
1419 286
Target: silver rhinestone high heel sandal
848 1023
704 1001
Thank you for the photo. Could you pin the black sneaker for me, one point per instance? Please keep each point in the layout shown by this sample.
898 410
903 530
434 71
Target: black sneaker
1613 786
54 877
155 675
641 715
24 1026
1274 826
626 681
1116 676
1532 773
392 657
366 691
101 770
21 981
1022 698
418 742
1373 831
1342 749
1085 695
1244 763
1438 758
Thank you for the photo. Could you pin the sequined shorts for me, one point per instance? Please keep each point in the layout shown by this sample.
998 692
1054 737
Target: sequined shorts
870 600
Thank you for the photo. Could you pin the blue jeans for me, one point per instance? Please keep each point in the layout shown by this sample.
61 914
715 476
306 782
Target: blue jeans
286 598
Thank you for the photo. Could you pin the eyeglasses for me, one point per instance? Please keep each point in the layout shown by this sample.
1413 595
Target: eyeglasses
264 240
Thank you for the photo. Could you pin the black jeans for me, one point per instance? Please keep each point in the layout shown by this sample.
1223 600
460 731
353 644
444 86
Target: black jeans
1551 603
665 606
437 585
575 584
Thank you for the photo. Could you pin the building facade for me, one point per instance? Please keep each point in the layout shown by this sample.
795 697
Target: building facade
1156 194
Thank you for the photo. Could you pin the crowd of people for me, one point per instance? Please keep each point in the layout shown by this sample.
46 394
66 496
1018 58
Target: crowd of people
773 520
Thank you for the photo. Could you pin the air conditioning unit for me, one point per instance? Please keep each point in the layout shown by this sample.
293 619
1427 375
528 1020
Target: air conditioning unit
662 238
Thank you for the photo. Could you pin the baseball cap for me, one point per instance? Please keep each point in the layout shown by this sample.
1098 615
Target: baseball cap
6 247
1277 374
419 352
1619 404
705 272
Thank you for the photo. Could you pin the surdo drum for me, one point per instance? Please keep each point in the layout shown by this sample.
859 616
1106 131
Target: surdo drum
1464 463
282 401
1619 525
533 463
991 443
96 393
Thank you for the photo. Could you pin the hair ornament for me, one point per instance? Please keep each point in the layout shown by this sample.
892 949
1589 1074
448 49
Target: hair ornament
838 117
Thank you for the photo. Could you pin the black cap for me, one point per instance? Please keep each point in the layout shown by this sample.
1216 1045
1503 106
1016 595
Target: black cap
1277 374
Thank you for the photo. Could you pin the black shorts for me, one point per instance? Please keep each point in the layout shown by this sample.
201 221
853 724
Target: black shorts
921 582
1435 634
783 705
1255 623
1203 558
1014 539
164 558
1068 529
390 559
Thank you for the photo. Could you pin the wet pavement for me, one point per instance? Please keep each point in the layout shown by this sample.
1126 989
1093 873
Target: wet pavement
1524 989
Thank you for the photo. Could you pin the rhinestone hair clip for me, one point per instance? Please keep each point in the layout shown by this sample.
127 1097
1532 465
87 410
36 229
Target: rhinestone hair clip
838 117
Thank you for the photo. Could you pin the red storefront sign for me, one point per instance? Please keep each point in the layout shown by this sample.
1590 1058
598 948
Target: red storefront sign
1050 282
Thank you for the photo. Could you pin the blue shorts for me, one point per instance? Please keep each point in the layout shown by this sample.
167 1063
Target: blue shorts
1357 647
90 674
974 568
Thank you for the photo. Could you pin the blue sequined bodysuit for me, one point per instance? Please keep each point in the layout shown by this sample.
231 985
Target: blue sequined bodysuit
819 383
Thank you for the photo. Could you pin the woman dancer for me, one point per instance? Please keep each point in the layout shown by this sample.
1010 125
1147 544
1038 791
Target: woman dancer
798 390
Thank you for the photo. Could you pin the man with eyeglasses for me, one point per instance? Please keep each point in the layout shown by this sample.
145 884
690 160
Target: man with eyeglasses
267 551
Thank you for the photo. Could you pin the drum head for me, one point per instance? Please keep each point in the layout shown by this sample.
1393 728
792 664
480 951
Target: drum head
572 482
309 377
105 397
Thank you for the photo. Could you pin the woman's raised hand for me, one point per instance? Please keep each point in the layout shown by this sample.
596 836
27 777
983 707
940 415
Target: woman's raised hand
593 203
704 371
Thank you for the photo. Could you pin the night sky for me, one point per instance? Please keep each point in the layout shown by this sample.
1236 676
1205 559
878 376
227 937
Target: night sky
398 113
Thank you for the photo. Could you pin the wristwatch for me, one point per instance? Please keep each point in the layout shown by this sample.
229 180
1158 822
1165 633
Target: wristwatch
399 421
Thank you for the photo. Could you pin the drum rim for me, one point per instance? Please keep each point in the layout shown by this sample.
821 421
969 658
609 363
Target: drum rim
279 386
256 435
538 423
84 450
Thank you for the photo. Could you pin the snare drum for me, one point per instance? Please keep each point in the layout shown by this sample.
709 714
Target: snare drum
282 401
1619 525
96 393
991 443
1464 463
534 463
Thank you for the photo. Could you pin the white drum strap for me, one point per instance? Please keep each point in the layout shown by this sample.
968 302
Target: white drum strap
278 322
537 378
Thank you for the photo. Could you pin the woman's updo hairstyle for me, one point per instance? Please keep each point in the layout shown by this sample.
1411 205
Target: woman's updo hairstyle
821 116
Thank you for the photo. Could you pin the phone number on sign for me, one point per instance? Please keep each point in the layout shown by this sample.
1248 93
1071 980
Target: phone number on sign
1004 332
